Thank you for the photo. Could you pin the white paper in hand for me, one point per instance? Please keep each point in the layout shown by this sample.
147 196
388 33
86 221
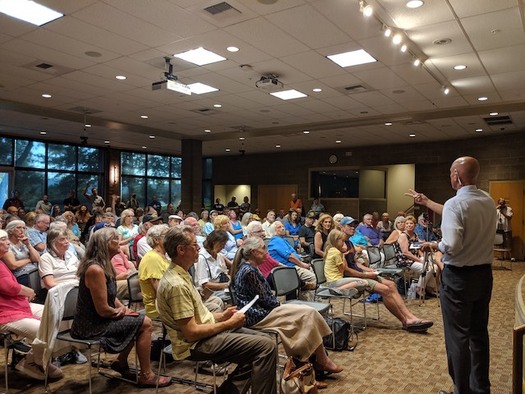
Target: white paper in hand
249 305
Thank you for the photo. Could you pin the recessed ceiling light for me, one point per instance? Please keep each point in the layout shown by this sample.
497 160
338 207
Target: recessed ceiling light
277 146
352 58
227 149
403 48
414 3
460 67
306 131
151 137
479 130
338 141
242 138
144 147
483 98
207 130
46 95
87 125
106 142
493 113
416 62
367 10
43 132
29 11
388 123
317 90
412 135
388 32
200 88
232 49
144 116
200 56
217 105
288 94
121 77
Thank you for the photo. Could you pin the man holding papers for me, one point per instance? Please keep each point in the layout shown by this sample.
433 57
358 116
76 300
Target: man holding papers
199 335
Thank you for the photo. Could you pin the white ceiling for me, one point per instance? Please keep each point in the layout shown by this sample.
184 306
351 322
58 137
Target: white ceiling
289 38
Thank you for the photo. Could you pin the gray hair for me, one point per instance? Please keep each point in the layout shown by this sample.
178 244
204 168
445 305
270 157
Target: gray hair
154 234
12 224
253 227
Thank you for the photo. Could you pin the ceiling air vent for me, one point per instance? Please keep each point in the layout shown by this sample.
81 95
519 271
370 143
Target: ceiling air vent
219 8
205 111
498 120
356 89
44 66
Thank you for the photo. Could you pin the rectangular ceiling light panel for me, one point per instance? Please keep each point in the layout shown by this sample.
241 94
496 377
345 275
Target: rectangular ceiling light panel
200 56
352 58
288 94
29 11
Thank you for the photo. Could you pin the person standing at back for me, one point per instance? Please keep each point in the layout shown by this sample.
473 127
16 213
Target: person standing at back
468 223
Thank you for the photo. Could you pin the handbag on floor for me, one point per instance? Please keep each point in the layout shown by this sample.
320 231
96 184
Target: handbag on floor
298 380
345 339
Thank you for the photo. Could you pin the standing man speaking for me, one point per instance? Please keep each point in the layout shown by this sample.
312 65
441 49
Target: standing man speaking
468 225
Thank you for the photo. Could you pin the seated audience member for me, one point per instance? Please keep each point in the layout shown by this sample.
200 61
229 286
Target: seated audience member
21 317
74 242
82 217
152 267
399 227
127 231
29 219
284 253
407 248
235 226
174 220
205 218
59 263
246 219
22 257
268 221
254 229
385 226
123 268
223 223
56 211
342 271
43 205
38 233
306 233
142 243
100 315
325 224
337 218
71 224
209 226
372 234
300 327
211 272
193 222
424 229
199 335
293 225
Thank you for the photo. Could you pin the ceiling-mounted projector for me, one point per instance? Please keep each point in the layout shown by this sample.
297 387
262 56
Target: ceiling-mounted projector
170 81
176 86
269 82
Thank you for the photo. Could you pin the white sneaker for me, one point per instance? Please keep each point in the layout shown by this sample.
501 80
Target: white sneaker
80 358
53 372
31 369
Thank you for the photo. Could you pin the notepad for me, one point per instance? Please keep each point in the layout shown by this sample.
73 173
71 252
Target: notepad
250 304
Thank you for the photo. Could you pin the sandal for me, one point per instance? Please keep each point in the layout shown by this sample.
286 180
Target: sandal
418 326
125 372
164 381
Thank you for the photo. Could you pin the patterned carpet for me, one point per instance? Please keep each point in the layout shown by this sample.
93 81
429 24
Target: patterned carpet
386 360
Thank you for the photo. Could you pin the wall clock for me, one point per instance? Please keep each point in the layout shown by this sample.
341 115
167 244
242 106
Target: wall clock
332 159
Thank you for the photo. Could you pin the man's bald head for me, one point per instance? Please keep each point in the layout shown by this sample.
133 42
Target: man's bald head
464 171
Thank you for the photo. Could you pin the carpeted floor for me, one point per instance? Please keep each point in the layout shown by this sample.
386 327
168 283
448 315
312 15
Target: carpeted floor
386 360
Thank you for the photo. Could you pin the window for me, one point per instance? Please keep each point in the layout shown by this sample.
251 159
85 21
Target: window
90 159
59 185
60 157
150 175
6 151
30 154
31 187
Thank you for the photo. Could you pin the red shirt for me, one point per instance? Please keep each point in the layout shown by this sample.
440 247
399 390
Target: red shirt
267 265
13 306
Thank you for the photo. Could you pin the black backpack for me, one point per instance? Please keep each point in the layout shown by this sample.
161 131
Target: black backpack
345 338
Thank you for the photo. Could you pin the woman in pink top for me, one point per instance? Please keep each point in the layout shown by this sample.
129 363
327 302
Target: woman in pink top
17 315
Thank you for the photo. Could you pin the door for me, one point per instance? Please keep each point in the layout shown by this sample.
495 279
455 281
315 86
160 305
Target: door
512 192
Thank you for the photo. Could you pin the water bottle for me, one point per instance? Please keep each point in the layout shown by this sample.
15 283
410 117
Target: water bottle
412 291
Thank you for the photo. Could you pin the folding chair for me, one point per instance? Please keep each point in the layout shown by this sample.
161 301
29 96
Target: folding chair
70 306
374 256
9 346
499 247
286 283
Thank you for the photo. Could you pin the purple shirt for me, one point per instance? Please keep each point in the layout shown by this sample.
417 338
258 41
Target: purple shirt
373 234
